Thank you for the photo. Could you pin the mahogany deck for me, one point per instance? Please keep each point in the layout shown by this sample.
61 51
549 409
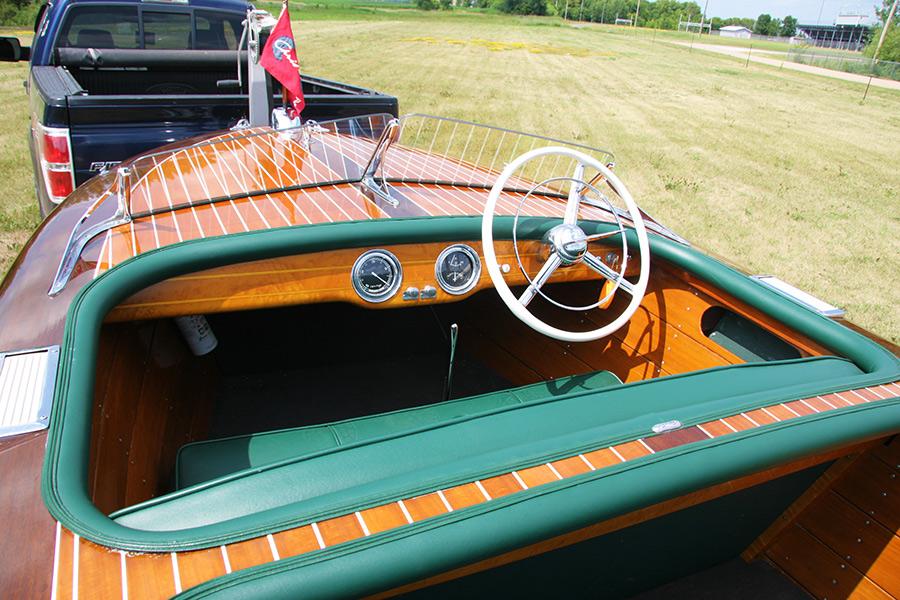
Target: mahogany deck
265 181
83 568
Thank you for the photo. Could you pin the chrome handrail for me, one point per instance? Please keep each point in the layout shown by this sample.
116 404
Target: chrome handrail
78 239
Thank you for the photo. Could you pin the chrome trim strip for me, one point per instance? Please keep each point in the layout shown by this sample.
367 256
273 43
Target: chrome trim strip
27 382
797 295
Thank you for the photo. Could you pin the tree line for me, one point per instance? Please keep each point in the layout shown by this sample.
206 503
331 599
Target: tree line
661 14
658 14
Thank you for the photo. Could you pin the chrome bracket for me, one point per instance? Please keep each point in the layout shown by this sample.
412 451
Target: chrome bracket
78 239
381 188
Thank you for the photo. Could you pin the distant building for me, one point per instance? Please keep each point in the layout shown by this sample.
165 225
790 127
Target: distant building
849 31
852 17
735 31
843 37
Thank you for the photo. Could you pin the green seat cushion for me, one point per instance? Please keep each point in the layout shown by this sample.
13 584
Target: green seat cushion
350 476
204 461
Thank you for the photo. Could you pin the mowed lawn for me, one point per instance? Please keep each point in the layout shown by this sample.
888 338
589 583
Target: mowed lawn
782 172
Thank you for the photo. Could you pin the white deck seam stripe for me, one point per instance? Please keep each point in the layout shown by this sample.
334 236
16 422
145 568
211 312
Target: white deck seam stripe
54 586
555 472
406 514
519 479
273 547
483 491
644 444
362 523
175 573
124 570
225 559
75 539
619 456
766 410
443 498
318 534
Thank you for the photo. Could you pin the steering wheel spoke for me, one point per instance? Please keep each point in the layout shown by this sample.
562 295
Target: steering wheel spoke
601 236
553 262
609 273
575 189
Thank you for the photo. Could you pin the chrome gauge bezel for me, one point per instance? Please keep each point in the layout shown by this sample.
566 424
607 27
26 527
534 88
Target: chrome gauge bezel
453 288
359 272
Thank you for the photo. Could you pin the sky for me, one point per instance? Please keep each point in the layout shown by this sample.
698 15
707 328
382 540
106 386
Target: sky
807 12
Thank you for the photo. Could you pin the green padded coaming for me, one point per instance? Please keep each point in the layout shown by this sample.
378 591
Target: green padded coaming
667 474
203 461
472 447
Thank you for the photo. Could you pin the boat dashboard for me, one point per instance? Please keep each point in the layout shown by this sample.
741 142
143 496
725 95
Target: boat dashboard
388 276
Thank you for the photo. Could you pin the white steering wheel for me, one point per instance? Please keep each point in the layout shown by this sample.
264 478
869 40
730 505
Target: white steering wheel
568 245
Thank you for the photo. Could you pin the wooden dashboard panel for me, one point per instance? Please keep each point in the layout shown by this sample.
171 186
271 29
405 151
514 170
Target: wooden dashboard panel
322 277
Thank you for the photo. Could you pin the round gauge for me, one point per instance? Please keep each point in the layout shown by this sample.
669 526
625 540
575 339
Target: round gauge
377 275
457 269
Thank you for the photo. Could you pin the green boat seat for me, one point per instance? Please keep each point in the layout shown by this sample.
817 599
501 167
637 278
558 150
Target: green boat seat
349 476
204 461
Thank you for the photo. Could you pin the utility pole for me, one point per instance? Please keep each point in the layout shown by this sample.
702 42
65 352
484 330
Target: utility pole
636 13
703 18
887 24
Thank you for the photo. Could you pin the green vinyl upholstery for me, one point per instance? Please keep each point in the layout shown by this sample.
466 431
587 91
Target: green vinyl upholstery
347 477
200 462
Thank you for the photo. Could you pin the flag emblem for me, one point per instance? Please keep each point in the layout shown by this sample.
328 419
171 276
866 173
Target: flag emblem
279 58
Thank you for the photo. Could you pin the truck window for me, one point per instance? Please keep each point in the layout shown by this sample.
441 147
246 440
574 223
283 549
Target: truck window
100 27
167 31
216 31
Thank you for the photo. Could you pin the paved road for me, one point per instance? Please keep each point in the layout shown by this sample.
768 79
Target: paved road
743 52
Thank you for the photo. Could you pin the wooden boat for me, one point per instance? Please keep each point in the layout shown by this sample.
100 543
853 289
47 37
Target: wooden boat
447 360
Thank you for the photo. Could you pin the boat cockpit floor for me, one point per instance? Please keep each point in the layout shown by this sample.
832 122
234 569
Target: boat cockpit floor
265 401
734 579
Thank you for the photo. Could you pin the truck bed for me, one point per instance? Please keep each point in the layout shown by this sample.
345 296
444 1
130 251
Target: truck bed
121 102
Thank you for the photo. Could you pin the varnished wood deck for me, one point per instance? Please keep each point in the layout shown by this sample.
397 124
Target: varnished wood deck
264 181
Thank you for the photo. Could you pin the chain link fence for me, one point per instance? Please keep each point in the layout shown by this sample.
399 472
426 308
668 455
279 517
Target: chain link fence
849 64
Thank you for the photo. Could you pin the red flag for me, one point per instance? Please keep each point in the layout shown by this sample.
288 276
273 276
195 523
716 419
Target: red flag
279 58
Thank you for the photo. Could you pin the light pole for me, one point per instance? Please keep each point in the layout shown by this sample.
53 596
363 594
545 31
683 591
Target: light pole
887 23
703 18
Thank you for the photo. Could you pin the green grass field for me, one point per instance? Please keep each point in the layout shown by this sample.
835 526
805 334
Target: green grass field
782 172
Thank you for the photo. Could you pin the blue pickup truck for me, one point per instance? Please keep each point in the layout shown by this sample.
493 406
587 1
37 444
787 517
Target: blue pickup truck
113 78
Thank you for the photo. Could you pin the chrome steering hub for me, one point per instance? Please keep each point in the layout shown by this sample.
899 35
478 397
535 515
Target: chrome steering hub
568 241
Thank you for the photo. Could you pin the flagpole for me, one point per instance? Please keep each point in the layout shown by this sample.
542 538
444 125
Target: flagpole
285 103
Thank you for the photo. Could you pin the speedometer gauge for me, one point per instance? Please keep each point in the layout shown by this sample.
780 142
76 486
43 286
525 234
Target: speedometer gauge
457 269
377 275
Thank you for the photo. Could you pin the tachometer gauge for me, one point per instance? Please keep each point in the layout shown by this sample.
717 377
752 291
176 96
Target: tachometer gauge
457 269
377 275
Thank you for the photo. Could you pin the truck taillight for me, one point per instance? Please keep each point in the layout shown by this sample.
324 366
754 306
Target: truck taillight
55 152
